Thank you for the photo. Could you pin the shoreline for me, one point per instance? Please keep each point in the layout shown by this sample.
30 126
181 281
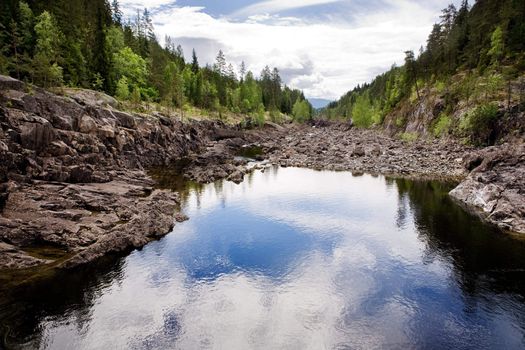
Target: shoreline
74 176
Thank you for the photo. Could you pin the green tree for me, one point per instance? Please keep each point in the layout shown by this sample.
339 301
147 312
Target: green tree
301 111
122 91
364 113
26 26
101 57
250 96
136 97
194 62
220 64
130 65
47 52
173 85
497 47
116 13
411 67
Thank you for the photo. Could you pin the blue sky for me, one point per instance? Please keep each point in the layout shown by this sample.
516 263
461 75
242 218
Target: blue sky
324 47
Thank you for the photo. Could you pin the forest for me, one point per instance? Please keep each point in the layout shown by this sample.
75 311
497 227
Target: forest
89 44
474 58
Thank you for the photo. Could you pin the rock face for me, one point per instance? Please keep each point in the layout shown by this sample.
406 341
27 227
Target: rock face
72 175
496 186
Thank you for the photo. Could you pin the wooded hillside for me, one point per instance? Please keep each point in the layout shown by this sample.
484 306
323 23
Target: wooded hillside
89 44
472 67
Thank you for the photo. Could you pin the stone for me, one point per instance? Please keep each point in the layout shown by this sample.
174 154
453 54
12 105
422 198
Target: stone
36 136
358 151
87 124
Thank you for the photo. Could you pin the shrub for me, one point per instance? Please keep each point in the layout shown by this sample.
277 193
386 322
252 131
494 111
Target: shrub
259 116
442 126
122 89
440 86
400 122
479 123
365 113
409 136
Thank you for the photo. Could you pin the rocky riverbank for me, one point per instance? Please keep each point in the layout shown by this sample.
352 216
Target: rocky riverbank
73 170
72 175
491 180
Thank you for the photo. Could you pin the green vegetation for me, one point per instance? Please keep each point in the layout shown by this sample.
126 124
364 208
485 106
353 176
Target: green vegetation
409 136
479 123
87 44
442 126
364 113
473 60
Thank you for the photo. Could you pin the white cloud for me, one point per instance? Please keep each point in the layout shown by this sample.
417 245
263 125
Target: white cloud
325 58
273 6
130 7
339 54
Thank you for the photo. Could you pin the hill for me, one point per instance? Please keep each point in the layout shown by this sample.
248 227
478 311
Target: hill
469 81
87 44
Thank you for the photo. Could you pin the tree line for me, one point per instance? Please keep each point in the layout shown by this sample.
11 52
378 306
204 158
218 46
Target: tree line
89 44
472 52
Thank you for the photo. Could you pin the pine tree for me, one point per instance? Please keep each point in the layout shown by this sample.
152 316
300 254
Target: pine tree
242 72
220 64
26 27
276 88
15 46
497 48
411 67
179 55
448 16
147 26
230 73
194 62
101 59
4 51
116 13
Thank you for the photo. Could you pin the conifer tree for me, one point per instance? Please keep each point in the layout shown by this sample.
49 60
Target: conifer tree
194 62
116 13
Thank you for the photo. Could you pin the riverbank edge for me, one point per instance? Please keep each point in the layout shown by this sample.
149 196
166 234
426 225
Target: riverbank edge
74 174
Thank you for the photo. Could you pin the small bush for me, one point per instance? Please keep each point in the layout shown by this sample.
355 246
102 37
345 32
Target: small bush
259 116
440 86
123 89
409 136
442 126
365 113
400 121
478 123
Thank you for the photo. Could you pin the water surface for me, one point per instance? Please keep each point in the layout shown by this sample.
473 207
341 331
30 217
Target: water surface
292 259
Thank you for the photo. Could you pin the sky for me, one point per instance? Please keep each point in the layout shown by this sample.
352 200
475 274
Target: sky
323 47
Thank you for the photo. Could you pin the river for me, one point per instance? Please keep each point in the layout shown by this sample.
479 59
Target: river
292 259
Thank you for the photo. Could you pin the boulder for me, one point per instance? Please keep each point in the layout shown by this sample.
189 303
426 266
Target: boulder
358 151
87 124
36 136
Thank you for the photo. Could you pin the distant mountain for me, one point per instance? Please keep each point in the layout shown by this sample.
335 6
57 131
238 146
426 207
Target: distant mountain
319 102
